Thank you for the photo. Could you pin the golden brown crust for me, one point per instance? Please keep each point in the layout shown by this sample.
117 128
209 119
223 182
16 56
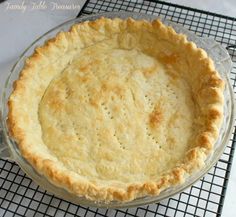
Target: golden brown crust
207 88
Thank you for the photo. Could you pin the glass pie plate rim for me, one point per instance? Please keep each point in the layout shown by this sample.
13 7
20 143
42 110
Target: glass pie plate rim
9 149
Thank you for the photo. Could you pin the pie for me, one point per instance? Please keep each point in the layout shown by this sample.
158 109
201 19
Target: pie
114 110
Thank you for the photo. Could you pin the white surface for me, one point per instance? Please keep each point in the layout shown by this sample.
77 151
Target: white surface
20 27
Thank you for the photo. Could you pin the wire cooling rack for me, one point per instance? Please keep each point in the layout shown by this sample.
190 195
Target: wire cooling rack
20 196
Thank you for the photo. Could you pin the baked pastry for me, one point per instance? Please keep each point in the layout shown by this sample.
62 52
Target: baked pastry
117 109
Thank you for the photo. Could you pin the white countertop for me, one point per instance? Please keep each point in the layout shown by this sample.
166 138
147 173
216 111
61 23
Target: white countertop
21 27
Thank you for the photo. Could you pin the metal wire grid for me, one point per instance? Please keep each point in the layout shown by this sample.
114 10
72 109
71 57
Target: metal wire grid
20 196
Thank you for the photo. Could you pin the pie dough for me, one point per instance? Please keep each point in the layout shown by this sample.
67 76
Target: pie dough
117 109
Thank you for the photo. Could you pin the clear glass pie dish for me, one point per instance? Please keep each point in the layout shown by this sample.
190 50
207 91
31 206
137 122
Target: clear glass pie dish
9 148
